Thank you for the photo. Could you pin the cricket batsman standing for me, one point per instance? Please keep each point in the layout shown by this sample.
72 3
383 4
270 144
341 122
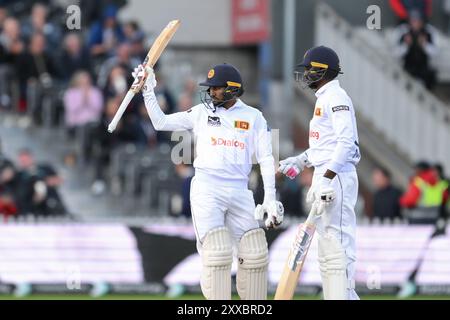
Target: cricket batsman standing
334 153
228 133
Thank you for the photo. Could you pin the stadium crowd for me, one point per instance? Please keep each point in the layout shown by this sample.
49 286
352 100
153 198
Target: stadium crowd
76 79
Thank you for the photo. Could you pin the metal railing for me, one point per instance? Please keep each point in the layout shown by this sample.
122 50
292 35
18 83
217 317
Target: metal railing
399 107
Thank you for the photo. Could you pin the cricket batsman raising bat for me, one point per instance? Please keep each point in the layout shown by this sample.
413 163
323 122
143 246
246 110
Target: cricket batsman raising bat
228 133
153 55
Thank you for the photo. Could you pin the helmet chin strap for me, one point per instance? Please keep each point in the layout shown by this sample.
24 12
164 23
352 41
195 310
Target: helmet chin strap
207 101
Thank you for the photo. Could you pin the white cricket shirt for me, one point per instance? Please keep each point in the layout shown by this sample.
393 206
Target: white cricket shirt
226 140
333 135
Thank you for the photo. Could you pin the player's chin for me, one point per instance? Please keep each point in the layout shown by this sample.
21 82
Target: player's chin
216 103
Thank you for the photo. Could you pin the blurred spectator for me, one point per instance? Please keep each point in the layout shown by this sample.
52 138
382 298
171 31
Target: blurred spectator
3 16
38 23
83 102
386 197
291 195
446 183
11 44
37 188
401 8
185 172
106 33
135 37
417 45
8 176
424 196
53 204
146 131
121 59
32 190
117 83
36 71
93 10
74 57
104 143
7 205
189 97
11 48
83 105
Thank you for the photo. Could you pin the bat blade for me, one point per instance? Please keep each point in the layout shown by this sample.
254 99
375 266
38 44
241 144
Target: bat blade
294 264
156 50
152 57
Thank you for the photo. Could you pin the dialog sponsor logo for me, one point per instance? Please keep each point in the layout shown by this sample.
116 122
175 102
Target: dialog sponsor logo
314 135
227 143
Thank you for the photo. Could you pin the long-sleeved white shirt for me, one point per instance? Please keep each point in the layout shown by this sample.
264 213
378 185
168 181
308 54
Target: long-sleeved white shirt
226 141
333 134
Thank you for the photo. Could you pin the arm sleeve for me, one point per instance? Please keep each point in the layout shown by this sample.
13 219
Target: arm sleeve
341 118
263 153
163 122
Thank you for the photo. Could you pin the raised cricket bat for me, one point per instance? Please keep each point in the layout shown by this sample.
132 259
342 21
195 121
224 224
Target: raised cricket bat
152 56
297 255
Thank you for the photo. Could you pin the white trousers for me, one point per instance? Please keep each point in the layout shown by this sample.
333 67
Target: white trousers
339 219
214 206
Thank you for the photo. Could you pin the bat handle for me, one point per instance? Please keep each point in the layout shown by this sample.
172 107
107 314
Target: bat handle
312 216
123 106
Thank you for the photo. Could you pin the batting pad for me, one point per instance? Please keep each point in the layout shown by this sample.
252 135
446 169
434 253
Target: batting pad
333 262
251 278
216 258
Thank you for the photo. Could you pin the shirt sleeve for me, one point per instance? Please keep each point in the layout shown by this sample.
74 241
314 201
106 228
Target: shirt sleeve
167 122
263 153
340 112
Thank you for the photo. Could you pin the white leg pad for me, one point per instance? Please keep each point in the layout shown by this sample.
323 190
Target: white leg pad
217 257
333 262
251 278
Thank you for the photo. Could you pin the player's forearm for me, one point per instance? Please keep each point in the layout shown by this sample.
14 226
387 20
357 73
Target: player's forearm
154 111
160 120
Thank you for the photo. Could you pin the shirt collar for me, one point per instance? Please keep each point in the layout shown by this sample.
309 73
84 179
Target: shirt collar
332 83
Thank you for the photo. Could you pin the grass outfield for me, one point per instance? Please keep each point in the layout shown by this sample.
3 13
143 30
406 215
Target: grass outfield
190 297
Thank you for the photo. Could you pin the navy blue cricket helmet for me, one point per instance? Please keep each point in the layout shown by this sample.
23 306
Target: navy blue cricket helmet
318 62
223 75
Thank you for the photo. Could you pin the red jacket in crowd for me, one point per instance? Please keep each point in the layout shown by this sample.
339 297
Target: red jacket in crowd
411 197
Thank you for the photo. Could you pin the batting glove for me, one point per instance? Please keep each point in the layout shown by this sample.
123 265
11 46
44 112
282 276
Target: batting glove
323 193
274 210
140 72
293 166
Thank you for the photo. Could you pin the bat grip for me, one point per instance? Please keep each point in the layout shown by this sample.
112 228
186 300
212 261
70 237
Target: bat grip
123 106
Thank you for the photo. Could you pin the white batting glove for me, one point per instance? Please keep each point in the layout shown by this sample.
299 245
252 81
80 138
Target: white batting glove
274 210
324 193
293 166
140 72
